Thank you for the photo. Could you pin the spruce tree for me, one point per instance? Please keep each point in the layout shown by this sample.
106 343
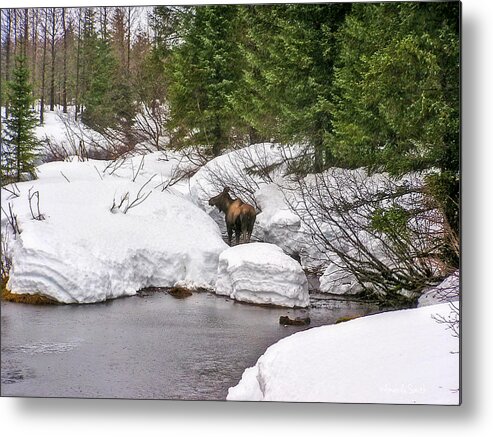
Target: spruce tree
204 71
286 87
397 96
19 147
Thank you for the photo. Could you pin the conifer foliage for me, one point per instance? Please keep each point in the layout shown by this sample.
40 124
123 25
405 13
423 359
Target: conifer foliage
20 143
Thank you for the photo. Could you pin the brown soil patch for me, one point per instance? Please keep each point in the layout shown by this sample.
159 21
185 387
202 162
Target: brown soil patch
34 299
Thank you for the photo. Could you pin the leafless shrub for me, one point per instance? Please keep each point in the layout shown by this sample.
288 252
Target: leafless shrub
12 189
127 202
446 291
380 230
451 321
150 125
244 172
85 144
178 173
12 220
114 165
5 259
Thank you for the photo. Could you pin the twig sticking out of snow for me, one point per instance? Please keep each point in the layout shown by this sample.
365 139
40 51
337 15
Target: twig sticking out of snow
98 173
115 165
12 220
37 216
13 190
114 208
452 321
141 166
139 198
66 178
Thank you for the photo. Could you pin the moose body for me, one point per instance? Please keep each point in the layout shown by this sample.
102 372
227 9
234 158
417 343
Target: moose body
239 216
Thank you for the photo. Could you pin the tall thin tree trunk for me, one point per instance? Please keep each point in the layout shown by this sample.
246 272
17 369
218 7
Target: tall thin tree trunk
15 32
64 89
25 37
128 40
35 50
104 22
8 44
77 67
43 70
52 85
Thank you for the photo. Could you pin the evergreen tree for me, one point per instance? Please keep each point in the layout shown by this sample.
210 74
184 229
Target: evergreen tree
20 143
204 71
286 87
98 110
397 95
398 87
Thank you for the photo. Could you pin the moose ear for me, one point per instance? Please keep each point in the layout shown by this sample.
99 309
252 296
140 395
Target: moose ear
226 190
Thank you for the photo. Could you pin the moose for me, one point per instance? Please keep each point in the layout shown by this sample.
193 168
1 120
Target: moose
240 216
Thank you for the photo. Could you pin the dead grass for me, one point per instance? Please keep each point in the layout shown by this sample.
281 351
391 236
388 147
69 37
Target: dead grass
347 319
34 299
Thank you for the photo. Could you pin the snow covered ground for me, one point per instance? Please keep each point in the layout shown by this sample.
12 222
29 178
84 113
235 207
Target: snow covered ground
399 357
62 135
75 198
90 247
262 273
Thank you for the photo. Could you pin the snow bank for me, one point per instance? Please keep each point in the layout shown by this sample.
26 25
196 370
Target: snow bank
396 357
339 281
261 273
277 224
86 251
446 291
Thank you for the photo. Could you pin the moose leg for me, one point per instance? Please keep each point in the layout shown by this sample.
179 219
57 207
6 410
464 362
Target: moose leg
237 231
230 232
249 228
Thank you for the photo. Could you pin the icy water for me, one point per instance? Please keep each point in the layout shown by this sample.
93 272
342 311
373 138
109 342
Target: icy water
150 346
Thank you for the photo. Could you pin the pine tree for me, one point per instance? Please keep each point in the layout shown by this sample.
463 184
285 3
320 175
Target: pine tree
204 71
98 109
397 96
290 52
20 143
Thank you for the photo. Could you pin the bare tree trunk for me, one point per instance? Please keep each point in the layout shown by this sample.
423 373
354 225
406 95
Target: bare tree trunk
104 21
15 32
8 44
52 85
35 51
43 69
77 67
128 38
64 89
25 37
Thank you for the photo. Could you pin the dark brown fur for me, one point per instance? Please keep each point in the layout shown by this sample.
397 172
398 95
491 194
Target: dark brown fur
239 216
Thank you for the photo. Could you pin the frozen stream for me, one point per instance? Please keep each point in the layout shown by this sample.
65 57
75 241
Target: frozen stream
151 346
